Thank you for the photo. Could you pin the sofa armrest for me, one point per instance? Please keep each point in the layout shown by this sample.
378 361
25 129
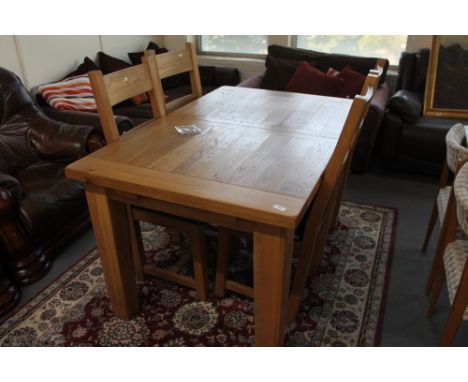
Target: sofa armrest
392 128
59 141
252 82
11 184
87 118
380 100
407 104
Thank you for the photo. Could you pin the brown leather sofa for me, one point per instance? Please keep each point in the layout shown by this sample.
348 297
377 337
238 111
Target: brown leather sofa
323 61
40 209
408 140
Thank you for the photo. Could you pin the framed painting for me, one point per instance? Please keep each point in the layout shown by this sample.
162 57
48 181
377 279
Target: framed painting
446 92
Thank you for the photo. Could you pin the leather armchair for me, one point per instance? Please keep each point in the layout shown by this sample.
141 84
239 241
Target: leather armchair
38 205
408 140
9 292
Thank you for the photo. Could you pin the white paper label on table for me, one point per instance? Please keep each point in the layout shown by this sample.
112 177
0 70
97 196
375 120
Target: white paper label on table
279 207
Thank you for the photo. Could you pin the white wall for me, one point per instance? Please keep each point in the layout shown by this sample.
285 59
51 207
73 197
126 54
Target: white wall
42 59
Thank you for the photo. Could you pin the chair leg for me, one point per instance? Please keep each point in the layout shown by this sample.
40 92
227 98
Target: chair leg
447 234
437 287
430 226
437 265
136 243
300 279
222 261
199 263
457 311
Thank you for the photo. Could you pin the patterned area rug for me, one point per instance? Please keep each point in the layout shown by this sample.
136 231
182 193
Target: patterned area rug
342 306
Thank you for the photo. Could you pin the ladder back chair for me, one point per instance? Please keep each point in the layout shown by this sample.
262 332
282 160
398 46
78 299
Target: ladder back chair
372 80
116 87
314 227
454 267
457 154
173 63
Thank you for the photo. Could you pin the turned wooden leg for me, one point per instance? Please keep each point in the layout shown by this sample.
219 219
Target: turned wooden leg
272 271
110 225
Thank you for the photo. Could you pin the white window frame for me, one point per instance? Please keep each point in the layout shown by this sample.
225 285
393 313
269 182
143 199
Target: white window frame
286 40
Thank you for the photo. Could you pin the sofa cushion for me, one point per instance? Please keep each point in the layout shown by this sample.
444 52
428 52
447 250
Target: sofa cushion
310 80
73 93
86 66
278 73
135 57
111 64
353 82
323 61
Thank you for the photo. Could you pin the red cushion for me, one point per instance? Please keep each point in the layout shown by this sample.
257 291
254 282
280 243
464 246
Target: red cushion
310 80
353 83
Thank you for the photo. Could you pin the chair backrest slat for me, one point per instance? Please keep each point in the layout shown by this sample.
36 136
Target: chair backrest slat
338 165
127 83
172 63
113 88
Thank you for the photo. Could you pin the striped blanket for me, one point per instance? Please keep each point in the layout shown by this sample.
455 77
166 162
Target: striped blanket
74 93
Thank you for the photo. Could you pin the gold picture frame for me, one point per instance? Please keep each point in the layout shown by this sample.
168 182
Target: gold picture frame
446 92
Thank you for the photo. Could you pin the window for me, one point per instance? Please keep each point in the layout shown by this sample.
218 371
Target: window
387 46
233 44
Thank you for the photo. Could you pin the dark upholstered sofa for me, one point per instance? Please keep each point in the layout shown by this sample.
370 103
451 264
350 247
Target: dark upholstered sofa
409 140
40 209
275 79
129 115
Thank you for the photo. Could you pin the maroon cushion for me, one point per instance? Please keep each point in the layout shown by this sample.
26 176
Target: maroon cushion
278 73
111 64
353 82
310 80
135 58
83 68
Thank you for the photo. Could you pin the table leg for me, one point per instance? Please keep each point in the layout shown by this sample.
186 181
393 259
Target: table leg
110 225
272 272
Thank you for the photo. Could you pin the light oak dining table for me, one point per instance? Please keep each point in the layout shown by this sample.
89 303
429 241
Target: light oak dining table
255 167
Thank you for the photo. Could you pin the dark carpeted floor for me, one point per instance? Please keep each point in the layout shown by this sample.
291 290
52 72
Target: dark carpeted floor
405 322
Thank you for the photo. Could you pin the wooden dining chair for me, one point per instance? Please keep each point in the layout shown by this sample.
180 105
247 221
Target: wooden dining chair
173 63
116 87
316 222
372 81
457 154
454 267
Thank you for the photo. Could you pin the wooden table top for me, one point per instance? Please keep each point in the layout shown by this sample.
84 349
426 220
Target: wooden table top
260 155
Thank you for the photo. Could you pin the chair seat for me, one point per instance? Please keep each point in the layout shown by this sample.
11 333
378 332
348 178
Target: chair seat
442 202
51 199
455 257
